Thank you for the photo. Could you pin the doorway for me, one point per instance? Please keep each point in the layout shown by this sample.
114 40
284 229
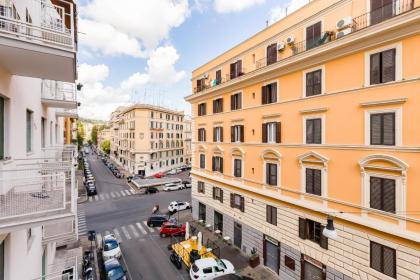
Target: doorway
237 235
271 252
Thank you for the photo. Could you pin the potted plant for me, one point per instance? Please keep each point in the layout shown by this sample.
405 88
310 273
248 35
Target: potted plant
254 259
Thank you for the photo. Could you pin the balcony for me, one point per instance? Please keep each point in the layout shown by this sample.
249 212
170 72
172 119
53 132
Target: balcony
295 51
66 265
37 38
62 233
68 113
59 94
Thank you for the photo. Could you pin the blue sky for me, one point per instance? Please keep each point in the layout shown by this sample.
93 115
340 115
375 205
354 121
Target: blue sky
173 36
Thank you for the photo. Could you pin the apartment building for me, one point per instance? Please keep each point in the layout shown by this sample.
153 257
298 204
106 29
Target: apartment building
150 139
188 140
103 135
38 189
314 118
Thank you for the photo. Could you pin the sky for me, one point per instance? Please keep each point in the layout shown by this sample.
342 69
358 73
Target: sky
145 50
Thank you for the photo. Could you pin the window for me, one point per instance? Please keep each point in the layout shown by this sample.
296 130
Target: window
202 161
237 133
201 85
381 10
218 105
382 67
312 230
271 215
218 194
236 101
217 164
202 109
202 134
271 132
200 187
271 53
382 194
1 129
313 181
313 35
236 69
218 77
269 93
237 167
29 131
237 201
218 134
382 129
271 174
314 83
383 259
314 131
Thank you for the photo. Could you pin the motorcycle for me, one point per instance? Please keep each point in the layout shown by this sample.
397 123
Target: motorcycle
176 260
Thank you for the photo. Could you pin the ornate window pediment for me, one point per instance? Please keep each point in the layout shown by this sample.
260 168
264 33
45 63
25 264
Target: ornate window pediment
313 158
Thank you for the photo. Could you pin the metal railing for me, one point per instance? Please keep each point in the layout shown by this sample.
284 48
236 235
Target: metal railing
58 91
396 8
38 21
66 112
64 270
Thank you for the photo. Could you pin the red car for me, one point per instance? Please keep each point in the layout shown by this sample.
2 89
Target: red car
170 229
159 175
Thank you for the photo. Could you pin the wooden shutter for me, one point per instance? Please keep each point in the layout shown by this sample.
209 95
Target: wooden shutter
375 256
317 82
274 215
232 200
221 134
214 134
375 193
388 129
317 131
239 68
388 66
199 85
239 100
264 95
389 261
232 70
264 133
268 214
309 83
221 164
388 195
220 102
214 106
218 77
214 193
375 70
232 134
302 228
323 241
375 129
317 180
278 132
242 132
273 173
242 207
271 53
2 128
273 90
205 109
213 162
232 102
221 196
313 34
309 180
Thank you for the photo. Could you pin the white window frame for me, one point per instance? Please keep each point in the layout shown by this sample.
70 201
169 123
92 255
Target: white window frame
278 90
199 160
398 63
320 67
278 163
241 92
274 132
265 50
218 133
398 125
233 167
237 133
324 179
323 127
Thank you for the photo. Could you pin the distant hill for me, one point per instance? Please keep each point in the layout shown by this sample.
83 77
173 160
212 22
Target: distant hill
92 121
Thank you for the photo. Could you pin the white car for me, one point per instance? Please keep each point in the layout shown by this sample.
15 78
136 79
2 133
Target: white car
178 206
210 268
171 172
173 187
110 247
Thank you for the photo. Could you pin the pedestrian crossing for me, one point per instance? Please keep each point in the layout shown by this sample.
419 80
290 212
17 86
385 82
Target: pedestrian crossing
129 232
111 195
81 222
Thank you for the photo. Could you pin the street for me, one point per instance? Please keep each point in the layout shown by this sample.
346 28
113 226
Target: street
118 210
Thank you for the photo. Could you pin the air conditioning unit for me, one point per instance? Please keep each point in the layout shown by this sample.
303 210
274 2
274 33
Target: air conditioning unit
343 33
344 23
206 76
290 40
280 46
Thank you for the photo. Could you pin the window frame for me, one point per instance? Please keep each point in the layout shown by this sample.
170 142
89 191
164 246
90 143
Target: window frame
239 93
277 92
313 181
202 161
382 247
323 128
220 107
201 187
269 218
234 159
310 70
398 130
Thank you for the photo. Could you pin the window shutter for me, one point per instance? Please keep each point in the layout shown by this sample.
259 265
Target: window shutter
375 193
264 133
302 228
309 132
264 95
199 85
389 261
220 101
271 54
268 214
317 131
375 63
239 67
317 82
274 215
278 132
218 76
273 93
309 180
232 70
273 172
214 134
214 193
232 200
388 66
213 161
199 135
204 134
388 129
221 134
375 129
214 106
232 134
242 204
309 84
205 109
239 106
375 256
388 195
242 133
221 164
232 102
317 182
267 173
221 196
323 242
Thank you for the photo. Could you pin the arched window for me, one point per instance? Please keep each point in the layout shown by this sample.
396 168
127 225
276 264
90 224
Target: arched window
271 168
314 171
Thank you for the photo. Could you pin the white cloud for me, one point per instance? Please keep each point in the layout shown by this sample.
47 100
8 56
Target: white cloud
130 27
280 12
91 74
229 6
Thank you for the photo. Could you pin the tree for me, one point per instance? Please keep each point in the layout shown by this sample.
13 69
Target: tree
80 134
94 135
106 146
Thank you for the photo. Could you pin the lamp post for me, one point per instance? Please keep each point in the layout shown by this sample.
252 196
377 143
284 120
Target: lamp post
329 231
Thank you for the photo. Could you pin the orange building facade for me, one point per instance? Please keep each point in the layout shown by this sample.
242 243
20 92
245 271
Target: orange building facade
315 116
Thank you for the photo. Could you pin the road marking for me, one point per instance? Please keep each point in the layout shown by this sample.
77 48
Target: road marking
106 196
96 198
98 236
107 232
122 193
133 229
149 228
117 234
128 192
112 194
125 231
132 191
101 197
141 228
117 194
90 199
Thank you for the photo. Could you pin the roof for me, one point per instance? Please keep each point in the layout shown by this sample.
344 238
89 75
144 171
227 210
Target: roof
206 262
150 107
111 263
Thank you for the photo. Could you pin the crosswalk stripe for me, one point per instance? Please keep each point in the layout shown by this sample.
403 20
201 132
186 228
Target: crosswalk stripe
125 231
101 196
106 196
90 199
112 194
149 228
117 234
96 198
117 194
127 192
122 193
133 229
133 192
141 228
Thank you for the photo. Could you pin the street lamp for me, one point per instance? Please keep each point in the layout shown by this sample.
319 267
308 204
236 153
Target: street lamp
329 231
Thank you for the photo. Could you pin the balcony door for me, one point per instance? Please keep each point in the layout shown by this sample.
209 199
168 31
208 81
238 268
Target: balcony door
313 35
381 10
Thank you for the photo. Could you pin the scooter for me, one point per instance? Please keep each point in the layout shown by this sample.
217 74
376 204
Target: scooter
176 260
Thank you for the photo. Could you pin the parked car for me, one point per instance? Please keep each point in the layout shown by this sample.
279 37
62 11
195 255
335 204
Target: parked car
210 268
110 247
114 270
156 220
170 229
172 172
118 174
178 206
159 175
91 189
233 276
187 184
173 187
151 190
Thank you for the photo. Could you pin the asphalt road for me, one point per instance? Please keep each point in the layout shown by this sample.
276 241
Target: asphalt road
116 209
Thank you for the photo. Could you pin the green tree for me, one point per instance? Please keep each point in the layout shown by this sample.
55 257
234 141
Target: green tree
80 134
94 135
106 146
